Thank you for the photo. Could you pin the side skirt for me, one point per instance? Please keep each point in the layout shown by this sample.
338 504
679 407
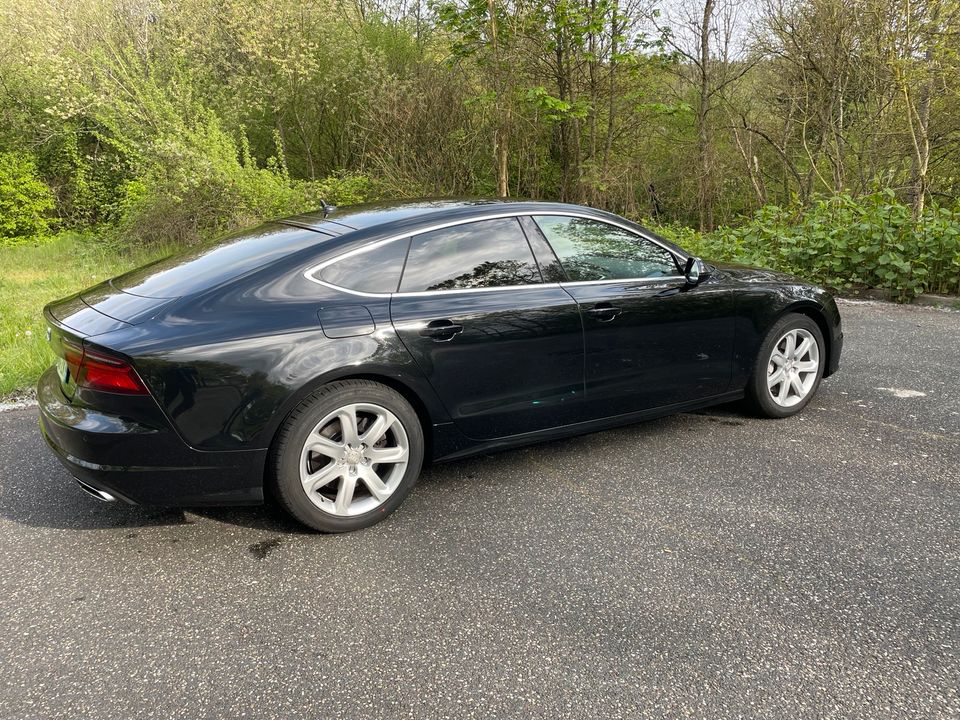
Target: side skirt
450 444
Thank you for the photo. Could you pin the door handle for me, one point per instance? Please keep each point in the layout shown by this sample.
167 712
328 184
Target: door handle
604 311
441 330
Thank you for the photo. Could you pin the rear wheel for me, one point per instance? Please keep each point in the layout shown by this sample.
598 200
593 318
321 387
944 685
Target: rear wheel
347 456
789 367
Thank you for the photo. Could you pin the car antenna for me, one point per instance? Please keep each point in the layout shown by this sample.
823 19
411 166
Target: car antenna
327 208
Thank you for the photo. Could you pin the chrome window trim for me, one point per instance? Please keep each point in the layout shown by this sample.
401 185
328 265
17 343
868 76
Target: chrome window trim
627 281
311 271
426 293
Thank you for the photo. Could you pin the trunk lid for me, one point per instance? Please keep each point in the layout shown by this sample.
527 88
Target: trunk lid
103 308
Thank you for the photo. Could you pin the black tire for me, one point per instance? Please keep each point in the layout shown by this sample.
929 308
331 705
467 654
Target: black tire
286 455
758 398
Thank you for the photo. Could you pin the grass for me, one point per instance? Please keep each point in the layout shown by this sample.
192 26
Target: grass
33 275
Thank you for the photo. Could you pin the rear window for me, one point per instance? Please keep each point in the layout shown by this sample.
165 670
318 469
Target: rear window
481 254
374 271
219 261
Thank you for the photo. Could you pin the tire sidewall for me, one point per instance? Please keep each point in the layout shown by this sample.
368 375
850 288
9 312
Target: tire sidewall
758 384
301 423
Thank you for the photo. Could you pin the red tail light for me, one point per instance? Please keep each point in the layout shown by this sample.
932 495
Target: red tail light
98 370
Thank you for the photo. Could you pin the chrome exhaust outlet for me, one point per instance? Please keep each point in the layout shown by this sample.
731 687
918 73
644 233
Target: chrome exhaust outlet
95 492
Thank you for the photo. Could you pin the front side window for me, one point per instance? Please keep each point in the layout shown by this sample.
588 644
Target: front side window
486 253
594 250
372 271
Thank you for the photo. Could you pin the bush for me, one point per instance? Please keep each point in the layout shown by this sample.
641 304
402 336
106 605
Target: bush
202 182
25 200
845 243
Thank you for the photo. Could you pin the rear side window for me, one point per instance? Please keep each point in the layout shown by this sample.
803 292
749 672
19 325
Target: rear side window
374 271
595 250
486 253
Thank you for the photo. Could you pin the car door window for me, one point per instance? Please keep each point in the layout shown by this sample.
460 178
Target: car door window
373 271
595 250
482 254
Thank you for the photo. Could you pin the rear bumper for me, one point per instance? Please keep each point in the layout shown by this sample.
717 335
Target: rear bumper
143 464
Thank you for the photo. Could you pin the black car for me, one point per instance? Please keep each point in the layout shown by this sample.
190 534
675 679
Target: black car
325 357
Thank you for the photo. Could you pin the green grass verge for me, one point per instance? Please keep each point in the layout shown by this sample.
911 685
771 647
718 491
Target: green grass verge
33 275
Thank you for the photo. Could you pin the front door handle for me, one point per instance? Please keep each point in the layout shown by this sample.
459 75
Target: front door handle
604 311
441 330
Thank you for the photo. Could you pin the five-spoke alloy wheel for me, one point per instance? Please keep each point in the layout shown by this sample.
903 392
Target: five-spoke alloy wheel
789 367
348 455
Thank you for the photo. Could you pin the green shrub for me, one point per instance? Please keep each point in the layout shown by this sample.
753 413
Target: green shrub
25 200
202 182
843 242
339 189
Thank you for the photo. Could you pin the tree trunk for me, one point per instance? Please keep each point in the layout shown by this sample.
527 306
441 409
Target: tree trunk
500 136
921 156
611 110
704 140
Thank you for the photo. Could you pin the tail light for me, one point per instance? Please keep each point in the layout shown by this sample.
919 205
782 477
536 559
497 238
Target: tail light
98 370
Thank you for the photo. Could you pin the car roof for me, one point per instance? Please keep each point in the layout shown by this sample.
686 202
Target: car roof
355 225
407 212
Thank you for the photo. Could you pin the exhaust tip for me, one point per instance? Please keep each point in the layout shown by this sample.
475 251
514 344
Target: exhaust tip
95 492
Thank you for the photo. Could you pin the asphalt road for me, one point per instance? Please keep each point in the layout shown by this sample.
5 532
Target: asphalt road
705 565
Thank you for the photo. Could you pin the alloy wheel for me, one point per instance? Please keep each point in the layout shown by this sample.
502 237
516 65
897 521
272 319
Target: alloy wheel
354 459
792 368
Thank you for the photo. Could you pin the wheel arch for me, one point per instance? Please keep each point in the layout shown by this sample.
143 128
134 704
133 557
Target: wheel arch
399 385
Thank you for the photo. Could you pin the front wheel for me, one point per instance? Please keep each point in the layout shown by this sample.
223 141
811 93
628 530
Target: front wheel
789 367
347 456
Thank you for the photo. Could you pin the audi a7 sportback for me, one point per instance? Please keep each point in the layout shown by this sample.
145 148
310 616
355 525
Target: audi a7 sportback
325 358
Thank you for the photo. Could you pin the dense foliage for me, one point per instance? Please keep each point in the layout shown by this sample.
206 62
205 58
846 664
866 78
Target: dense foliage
771 127
844 243
24 199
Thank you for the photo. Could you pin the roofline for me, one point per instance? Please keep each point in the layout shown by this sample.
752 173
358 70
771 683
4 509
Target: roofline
376 236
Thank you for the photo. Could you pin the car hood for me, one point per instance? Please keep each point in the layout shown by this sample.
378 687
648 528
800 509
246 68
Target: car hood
747 274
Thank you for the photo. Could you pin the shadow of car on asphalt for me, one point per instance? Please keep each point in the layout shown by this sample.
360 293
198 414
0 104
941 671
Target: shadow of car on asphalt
58 502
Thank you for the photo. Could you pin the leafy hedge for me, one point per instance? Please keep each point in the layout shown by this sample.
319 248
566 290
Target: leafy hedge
202 181
25 200
845 243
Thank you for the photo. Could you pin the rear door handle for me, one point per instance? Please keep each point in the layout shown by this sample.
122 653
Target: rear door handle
604 311
441 330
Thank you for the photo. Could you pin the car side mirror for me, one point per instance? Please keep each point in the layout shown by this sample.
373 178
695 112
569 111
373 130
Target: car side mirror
695 270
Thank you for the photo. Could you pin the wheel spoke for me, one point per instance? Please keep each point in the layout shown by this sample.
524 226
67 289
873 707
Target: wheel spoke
345 494
387 455
324 446
784 391
324 476
777 377
797 386
777 358
374 484
803 348
377 429
808 366
791 347
348 425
